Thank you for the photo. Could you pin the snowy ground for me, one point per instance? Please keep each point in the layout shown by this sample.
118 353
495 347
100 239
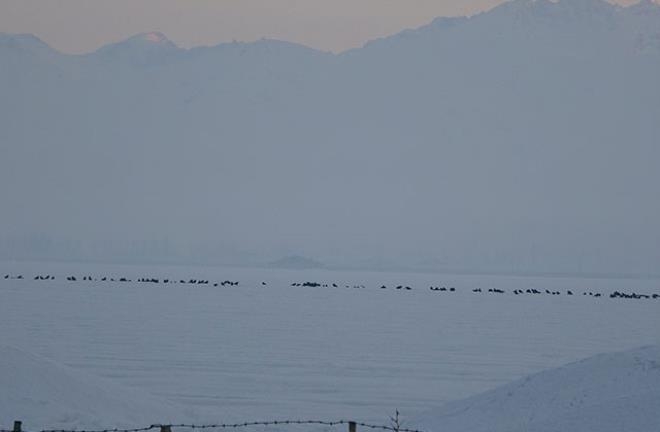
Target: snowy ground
608 392
43 393
276 351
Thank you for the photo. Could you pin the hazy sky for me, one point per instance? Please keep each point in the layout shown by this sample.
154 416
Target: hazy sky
77 26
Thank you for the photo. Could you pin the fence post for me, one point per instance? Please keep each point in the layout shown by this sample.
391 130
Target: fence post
352 427
17 426
165 428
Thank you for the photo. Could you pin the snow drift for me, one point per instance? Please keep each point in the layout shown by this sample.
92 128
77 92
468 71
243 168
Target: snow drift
608 392
44 394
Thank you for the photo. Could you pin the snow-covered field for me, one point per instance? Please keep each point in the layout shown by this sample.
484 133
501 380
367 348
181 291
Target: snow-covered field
258 351
43 393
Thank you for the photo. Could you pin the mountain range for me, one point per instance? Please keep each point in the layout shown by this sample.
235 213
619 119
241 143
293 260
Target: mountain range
522 139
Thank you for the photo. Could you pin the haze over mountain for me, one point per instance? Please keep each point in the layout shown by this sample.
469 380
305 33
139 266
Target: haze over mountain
524 139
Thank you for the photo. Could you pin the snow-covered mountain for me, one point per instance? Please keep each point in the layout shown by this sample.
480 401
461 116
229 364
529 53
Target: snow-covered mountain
608 392
521 139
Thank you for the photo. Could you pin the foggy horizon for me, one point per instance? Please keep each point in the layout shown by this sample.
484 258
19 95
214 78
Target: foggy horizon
440 148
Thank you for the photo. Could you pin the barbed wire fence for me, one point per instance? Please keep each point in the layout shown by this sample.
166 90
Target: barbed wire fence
352 426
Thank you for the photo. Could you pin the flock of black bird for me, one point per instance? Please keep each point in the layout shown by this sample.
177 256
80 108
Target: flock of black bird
153 280
124 279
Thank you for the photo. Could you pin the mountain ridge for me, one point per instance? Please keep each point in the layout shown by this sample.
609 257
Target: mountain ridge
471 143
585 6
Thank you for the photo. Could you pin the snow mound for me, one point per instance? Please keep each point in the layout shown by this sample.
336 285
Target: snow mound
44 394
608 392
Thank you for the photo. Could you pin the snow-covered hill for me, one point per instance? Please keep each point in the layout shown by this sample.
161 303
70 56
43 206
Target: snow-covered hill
605 393
44 394
521 139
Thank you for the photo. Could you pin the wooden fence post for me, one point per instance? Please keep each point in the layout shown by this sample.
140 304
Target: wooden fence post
352 427
17 426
